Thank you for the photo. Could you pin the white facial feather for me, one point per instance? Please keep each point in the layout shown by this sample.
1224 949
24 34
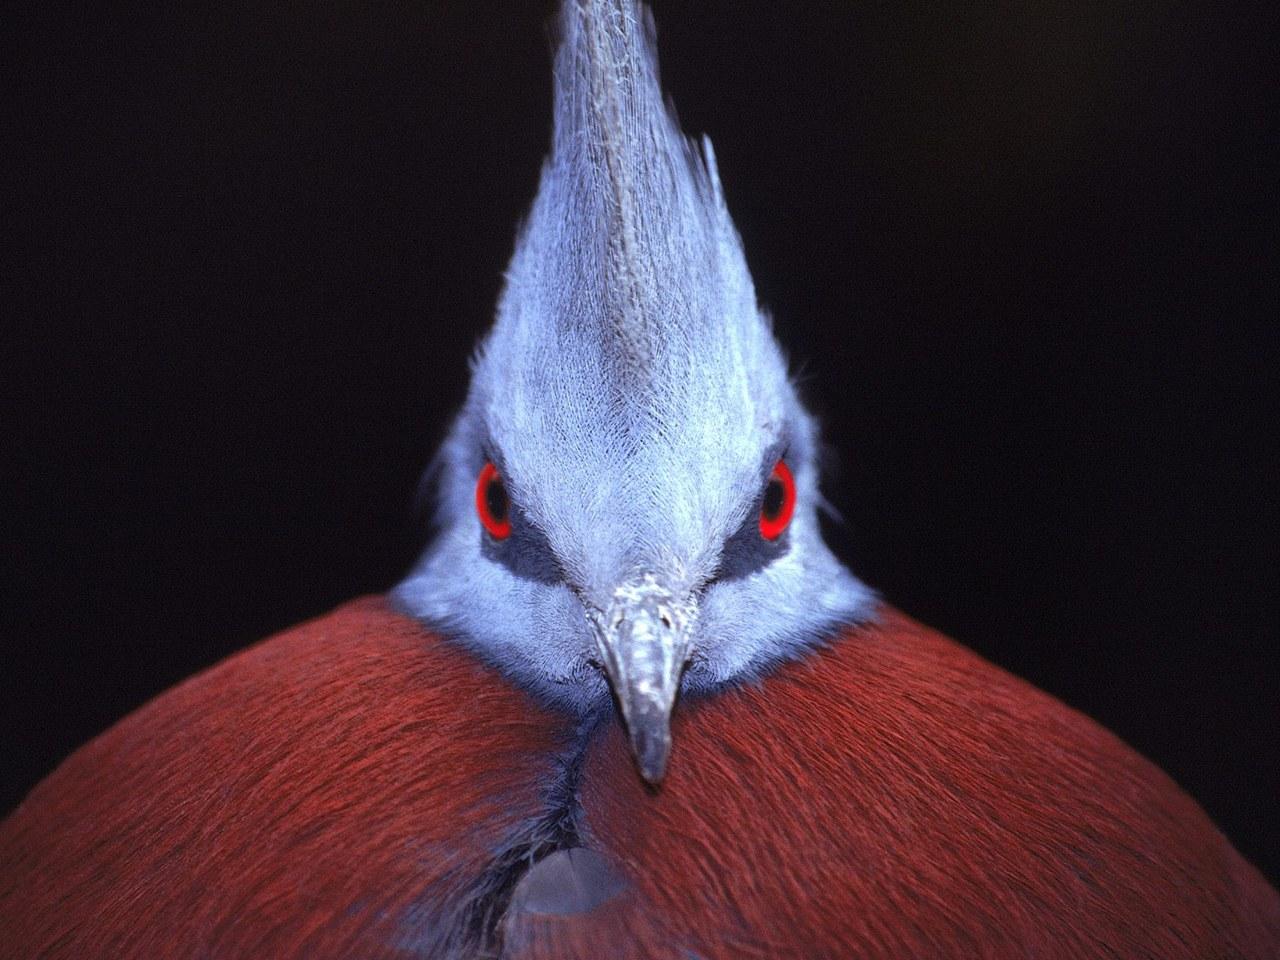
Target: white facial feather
632 394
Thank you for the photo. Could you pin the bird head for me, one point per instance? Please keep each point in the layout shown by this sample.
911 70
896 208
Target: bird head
629 495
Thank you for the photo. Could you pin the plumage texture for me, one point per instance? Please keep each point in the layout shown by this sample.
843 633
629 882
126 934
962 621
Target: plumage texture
283 804
358 787
633 396
362 786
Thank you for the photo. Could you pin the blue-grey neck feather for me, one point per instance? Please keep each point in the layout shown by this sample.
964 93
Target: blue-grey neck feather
634 398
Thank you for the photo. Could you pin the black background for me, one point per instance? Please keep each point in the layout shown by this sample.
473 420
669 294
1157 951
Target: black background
1021 251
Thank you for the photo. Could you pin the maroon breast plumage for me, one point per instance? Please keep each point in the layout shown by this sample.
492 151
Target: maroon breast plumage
357 787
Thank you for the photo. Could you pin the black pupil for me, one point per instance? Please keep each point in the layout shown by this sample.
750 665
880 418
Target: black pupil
773 497
495 498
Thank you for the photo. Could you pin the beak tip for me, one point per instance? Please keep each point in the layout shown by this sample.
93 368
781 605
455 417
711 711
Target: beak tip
643 639
653 772
651 754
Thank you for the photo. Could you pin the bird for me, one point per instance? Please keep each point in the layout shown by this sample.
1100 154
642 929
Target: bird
628 703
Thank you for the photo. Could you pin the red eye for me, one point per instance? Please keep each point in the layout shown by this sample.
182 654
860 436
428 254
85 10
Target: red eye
779 502
492 503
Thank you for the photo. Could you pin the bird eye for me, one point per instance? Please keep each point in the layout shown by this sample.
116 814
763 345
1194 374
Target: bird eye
779 502
492 502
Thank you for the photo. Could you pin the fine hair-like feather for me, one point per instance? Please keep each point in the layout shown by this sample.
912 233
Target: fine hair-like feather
357 787
362 786
633 396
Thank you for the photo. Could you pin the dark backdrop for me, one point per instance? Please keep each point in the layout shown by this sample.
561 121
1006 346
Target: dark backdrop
1022 251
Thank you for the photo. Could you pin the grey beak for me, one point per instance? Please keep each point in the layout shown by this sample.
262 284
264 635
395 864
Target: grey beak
644 637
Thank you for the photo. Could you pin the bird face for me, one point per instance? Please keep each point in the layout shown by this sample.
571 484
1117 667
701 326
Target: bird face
629 494
636 497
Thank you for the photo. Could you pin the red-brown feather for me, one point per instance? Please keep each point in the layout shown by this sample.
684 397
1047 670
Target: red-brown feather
898 796
309 797
335 791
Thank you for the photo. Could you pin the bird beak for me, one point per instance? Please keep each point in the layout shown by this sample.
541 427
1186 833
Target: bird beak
644 637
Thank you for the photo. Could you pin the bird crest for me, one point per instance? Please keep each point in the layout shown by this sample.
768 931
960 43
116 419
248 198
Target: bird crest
629 223
629 496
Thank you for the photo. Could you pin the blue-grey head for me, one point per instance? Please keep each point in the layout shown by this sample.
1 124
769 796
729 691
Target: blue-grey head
630 494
